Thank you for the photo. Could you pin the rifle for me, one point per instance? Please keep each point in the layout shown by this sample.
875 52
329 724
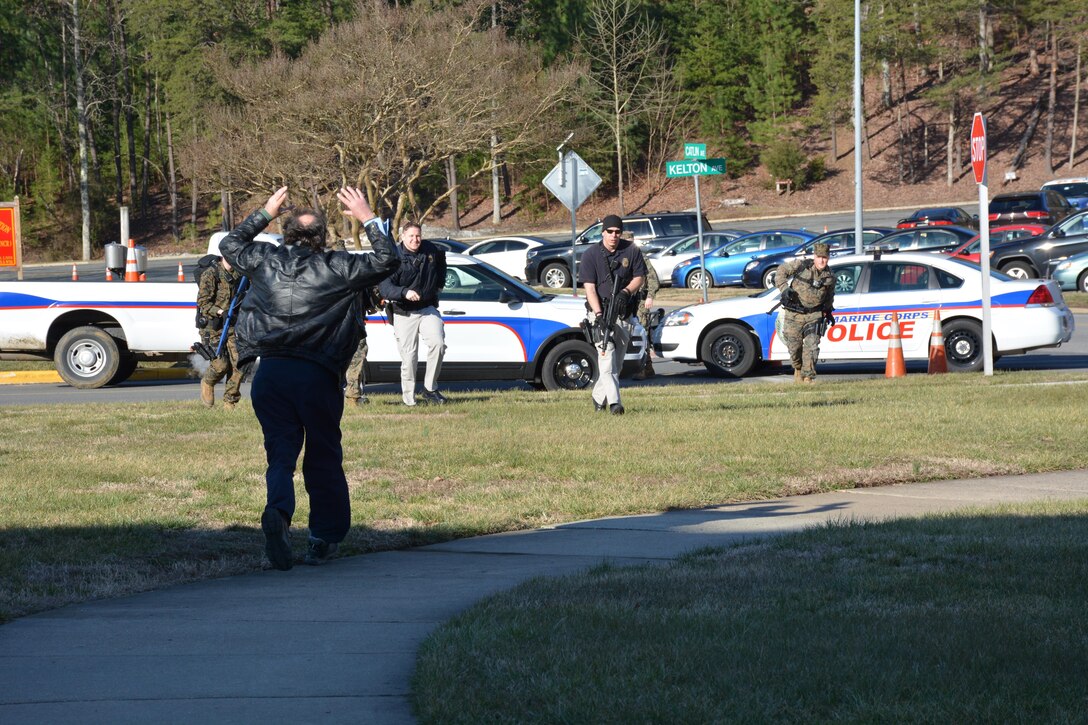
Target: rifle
204 350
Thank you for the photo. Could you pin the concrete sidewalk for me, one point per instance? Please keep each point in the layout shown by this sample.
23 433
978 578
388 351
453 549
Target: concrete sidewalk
337 643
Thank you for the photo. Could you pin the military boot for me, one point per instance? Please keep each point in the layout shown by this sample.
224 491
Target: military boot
646 372
797 376
207 394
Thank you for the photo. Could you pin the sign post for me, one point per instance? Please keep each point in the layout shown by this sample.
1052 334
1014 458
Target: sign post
571 181
11 240
695 165
978 165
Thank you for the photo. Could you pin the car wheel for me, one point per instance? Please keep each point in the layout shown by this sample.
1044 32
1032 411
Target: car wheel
555 276
570 365
697 280
451 280
963 345
87 357
1019 270
1082 281
125 369
768 277
728 351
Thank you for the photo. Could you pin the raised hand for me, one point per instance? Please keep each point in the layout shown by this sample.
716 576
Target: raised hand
356 203
272 206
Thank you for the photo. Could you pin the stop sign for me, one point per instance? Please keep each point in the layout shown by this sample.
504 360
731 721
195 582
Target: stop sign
978 148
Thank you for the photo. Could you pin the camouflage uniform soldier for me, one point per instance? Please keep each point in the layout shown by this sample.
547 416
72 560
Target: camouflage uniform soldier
356 374
645 313
218 285
808 296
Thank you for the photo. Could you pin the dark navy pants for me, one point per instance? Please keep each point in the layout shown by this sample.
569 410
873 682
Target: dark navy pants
300 401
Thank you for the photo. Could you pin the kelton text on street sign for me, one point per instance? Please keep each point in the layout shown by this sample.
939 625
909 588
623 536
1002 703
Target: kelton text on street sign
709 167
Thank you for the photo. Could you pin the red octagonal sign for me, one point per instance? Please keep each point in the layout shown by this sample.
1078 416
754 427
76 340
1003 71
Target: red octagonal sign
978 148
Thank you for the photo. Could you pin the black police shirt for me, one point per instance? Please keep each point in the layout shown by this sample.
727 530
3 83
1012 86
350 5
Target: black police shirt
625 263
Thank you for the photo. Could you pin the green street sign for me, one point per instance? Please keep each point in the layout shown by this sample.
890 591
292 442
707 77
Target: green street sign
694 150
709 167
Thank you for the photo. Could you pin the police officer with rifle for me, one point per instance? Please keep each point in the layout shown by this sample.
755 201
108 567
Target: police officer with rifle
612 273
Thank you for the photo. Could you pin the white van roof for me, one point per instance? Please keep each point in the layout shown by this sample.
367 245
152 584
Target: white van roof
213 243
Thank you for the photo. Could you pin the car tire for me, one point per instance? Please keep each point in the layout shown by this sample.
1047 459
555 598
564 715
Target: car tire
963 345
125 369
555 276
1019 270
1082 281
728 351
570 365
87 357
695 280
452 280
768 277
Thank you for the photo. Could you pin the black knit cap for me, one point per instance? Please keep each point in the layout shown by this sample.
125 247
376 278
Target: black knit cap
612 222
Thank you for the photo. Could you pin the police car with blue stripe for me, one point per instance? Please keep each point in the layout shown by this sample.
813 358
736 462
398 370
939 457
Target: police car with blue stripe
732 337
497 328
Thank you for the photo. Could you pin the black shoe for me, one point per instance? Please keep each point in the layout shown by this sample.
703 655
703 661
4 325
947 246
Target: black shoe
616 409
361 401
319 551
277 539
597 407
433 397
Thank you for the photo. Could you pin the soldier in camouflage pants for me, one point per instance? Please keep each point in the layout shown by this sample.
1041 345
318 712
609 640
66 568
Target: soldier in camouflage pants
808 297
645 312
217 287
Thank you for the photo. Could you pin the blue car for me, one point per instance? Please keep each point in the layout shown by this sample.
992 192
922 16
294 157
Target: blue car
725 265
1074 190
760 272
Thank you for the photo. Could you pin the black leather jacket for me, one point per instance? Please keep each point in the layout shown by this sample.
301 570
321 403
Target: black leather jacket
423 271
300 302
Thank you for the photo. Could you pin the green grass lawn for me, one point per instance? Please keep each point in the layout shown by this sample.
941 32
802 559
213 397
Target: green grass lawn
103 499
973 617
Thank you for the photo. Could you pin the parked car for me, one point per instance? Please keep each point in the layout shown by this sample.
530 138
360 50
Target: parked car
497 328
664 261
449 245
999 236
923 239
940 216
550 264
1071 273
1074 190
506 253
1045 207
761 272
725 265
731 337
1031 257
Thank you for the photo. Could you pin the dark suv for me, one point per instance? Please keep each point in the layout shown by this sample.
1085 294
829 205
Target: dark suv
1034 207
1030 258
549 265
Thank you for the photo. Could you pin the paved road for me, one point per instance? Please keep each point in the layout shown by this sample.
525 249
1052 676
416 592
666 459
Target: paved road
337 644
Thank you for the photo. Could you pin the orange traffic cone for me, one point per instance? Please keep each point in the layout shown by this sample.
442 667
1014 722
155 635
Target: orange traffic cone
143 276
109 275
896 366
131 275
938 362
75 274
181 273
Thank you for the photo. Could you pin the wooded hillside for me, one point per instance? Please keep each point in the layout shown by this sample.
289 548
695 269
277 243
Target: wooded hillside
450 112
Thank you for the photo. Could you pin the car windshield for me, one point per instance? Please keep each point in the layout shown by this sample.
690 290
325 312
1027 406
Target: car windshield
1012 204
482 282
1078 188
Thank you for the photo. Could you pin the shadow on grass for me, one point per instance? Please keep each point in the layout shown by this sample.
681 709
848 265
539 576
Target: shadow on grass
956 618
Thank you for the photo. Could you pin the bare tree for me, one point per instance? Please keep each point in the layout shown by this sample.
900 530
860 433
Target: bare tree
381 102
81 115
625 52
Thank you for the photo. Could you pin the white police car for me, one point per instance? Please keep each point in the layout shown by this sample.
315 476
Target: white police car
730 337
499 329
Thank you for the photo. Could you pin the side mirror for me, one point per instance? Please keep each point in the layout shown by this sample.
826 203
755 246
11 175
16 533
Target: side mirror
506 297
672 252
1059 233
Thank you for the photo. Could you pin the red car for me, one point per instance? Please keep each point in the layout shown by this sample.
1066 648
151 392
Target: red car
939 216
998 235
